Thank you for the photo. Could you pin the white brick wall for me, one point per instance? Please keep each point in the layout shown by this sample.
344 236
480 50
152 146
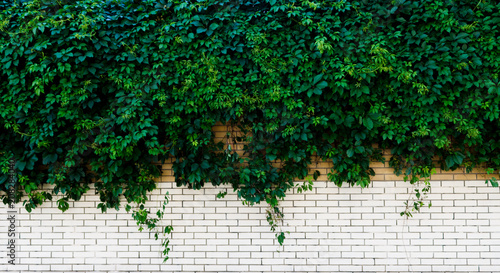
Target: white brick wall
331 230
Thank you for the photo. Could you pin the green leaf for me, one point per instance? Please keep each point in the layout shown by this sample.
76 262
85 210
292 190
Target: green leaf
51 158
322 85
213 26
348 121
449 161
317 78
205 164
360 149
20 165
271 157
494 182
458 158
368 123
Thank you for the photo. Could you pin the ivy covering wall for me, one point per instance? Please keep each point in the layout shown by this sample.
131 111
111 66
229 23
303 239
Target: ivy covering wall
101 91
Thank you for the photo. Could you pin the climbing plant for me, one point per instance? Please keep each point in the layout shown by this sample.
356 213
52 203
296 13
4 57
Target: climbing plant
97 91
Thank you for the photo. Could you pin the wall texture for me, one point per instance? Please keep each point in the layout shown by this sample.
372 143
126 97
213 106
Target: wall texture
332 229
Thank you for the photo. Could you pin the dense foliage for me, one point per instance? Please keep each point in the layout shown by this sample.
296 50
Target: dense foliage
100 91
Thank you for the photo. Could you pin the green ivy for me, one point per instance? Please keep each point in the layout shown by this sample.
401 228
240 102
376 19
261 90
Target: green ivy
102 91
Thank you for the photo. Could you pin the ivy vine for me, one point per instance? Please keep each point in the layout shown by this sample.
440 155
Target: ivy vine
102 91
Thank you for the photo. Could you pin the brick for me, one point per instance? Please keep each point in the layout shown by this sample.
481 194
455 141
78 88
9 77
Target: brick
350 268
260 268
237 268
39 267
329 268
463 231
466 268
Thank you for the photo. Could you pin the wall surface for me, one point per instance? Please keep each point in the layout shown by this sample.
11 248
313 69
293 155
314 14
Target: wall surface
332 229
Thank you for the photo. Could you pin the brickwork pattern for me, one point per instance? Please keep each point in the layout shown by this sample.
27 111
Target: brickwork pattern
332 229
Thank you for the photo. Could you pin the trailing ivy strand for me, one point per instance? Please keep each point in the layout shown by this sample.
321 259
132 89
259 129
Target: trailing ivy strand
102 91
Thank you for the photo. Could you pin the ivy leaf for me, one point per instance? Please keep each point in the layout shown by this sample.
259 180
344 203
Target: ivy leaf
205 164
348 121
271 157
213 26
458 158
51 158
450 161
360 149
350 152
316 174
494 182
368 123
317 78
20 165
322 85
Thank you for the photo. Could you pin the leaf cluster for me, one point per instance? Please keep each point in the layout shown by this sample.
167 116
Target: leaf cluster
102 91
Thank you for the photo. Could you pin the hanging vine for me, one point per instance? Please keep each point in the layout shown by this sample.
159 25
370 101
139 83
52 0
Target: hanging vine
101 91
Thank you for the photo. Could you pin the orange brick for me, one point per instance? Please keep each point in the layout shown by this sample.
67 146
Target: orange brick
378 177
238 147
482 176
459 170
377 164
442 177
321 171
276 164
479 170
323 177
467 176
168 178
325 165
394 177
220 135
384 170
438 170
219 127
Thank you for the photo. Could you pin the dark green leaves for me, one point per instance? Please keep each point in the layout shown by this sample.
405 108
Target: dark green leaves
317 78
368 123
348 121
104 96
454 160
322 85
